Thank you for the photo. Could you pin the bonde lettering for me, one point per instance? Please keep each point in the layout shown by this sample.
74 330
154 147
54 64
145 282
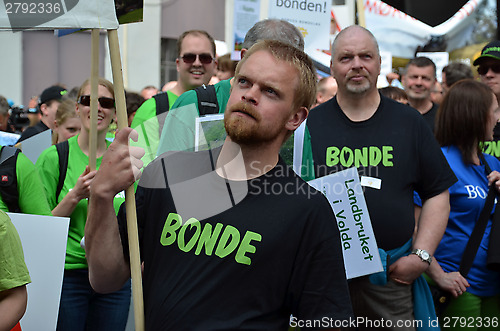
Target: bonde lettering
206 236
365 156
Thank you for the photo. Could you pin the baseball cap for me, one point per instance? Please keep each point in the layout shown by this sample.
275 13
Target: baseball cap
52 93
492 50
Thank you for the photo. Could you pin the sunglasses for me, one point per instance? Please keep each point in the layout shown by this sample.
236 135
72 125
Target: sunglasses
205 58
483 69
103 101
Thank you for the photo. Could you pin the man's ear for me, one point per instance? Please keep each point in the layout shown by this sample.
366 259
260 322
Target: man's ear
296 119
43 109
177 64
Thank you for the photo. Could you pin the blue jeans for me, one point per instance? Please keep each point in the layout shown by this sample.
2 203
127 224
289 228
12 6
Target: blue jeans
81 308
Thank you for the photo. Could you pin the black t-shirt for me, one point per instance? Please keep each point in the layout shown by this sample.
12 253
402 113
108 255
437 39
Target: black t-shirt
395 146
271 248
430 116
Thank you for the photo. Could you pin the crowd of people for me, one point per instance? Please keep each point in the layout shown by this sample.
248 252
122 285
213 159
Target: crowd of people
219 249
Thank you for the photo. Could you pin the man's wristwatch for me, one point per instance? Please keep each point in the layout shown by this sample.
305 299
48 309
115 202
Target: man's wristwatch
423 255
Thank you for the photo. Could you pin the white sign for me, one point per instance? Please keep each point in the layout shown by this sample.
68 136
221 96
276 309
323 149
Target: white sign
58 14
34 146
401 34
359 247
44 241
8 139
311 17
246 14
210 132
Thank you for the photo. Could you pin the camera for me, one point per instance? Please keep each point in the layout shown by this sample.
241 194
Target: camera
18 119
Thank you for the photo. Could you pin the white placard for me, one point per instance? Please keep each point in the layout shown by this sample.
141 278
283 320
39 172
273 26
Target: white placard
311 17
34 146
44 241
359 247
246 14
209 130
8 139
57 14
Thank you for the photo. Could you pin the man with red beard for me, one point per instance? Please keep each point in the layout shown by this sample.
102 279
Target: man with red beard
233 239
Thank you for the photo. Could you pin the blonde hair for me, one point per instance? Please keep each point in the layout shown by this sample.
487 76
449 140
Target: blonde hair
65 111
305 93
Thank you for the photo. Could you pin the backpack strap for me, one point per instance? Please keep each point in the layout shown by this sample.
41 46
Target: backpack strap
63 153
8 178
162 108
207 100
162 104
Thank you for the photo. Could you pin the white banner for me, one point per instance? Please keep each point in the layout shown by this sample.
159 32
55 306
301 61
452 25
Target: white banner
312 17
401 34
246 14
57 14
359 247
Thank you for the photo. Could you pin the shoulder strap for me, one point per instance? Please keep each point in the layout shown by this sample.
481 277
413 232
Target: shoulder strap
8 178
63 153
207 100
162 104
480 227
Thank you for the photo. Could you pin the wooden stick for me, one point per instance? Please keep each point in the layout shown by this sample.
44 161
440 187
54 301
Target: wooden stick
94 82
361 13
133 237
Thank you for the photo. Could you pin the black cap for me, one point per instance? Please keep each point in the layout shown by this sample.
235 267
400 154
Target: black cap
492 50
52 93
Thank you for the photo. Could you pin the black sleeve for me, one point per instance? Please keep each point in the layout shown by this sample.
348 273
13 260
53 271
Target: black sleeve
318 288
435 175
122 223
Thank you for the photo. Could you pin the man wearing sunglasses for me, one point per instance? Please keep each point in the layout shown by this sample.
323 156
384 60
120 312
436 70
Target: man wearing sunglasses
49 102
179 127
196 64
489 72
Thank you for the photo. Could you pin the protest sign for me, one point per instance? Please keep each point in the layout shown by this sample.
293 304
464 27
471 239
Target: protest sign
359 247
246 14
311 17
57 14
44 244
401 34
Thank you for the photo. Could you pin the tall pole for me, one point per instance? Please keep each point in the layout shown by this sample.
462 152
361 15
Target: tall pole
133 238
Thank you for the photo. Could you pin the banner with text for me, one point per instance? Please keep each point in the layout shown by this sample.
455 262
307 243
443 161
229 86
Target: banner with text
57 14
401 34
359 247
312 17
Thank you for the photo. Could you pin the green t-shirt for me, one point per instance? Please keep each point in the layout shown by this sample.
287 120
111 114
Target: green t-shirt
13 270
48 167
32 198
180 125
146 124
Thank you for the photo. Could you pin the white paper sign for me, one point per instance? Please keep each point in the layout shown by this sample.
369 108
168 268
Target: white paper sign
246 14
58 14
311 17
359 247
210 132
44 241
34 146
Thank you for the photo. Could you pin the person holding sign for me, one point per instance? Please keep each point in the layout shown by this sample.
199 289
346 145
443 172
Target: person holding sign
470 107
233 252
395 153
81 308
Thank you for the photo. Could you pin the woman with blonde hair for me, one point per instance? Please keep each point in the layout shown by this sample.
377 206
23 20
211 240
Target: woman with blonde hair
67 123
81 308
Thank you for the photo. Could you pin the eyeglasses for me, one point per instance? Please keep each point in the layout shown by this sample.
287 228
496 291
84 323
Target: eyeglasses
205 58
483 69
103 101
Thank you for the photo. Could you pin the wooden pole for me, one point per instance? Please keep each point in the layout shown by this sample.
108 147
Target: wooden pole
133 237
94 81
361 13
